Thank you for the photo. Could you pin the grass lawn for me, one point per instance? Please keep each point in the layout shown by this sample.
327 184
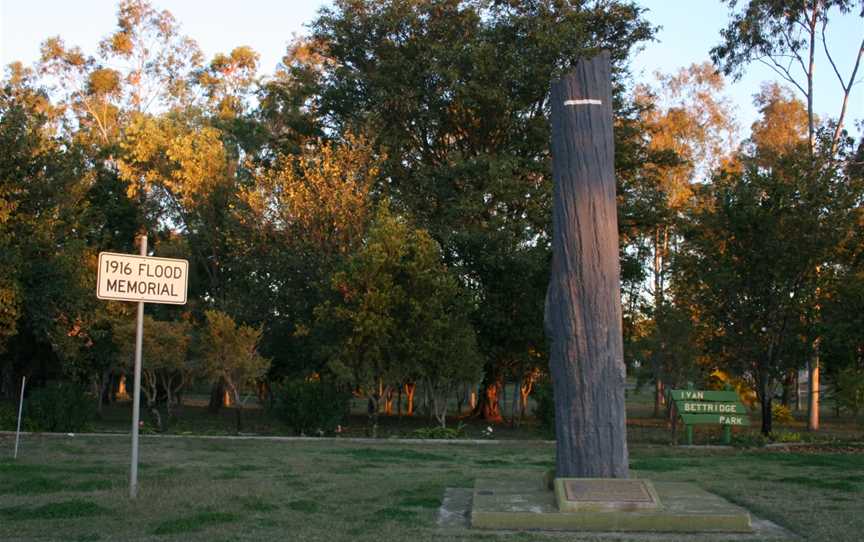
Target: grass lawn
75 488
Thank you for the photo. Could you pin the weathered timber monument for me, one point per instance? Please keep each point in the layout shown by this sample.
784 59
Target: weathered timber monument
591 489
583 303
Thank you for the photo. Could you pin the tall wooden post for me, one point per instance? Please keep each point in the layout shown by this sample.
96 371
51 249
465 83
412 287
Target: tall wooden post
583 302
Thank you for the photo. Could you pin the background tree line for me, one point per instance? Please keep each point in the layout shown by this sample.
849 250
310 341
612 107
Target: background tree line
376 213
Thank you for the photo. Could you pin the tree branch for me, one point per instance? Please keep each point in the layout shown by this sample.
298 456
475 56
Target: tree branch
782 72
835 138
828 54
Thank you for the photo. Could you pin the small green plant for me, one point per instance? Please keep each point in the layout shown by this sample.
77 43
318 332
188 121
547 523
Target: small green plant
786 436
8 418
849 390
781 414
545 409
439 432
311 407
61 407
749 440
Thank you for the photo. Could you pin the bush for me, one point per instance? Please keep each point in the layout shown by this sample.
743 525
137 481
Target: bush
786 436
545 409
311 407
749 440
781 414
9 419
61 407
439 432
849 390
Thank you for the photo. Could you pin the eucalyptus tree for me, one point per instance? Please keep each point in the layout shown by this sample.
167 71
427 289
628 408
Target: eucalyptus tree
785 36
688 118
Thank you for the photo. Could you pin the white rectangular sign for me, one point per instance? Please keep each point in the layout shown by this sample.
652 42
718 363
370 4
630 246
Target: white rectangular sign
124 277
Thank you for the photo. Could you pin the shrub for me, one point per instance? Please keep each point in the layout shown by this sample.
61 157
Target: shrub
62 407
9 419
786 436
439 432
849 390
749 440
310 407
545 406
781 414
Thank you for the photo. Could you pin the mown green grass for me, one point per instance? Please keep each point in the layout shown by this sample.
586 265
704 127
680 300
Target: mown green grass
193 489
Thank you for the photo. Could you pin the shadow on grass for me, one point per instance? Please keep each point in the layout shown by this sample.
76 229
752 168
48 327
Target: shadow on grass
396 514
257 504
196 522
307 507
820 483
663 464
834 461
39 485
397 455
53 510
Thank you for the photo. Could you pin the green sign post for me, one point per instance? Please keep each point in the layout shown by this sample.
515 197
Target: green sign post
708 407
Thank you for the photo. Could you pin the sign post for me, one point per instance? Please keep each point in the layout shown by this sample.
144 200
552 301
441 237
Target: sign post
136 397
143 279
20 410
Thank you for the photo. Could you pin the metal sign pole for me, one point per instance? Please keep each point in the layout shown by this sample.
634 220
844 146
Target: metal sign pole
136 400
20 409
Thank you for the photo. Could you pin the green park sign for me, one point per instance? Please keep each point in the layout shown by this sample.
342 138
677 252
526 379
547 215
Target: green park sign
708 407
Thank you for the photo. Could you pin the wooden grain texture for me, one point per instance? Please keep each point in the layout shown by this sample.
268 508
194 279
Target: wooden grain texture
583 303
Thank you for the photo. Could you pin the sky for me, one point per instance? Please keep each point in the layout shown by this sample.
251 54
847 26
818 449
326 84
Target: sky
689 28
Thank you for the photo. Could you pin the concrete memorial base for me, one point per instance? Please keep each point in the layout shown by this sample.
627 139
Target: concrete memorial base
600 505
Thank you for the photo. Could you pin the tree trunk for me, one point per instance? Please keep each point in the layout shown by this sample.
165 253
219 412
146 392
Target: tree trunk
399 401
388 401
583 302
525 390
764 391
489 406
217 398
238 409
97 391
813 410
410 388
659 397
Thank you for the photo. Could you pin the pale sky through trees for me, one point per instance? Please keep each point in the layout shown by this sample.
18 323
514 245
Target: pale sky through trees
690 29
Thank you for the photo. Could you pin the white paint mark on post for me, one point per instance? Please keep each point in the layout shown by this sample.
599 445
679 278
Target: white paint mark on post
589 101
20 410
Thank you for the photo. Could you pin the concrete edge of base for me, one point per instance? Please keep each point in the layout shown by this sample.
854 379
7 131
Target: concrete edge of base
522 505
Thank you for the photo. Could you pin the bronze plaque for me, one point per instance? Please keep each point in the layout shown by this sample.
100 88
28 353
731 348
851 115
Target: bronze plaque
607 490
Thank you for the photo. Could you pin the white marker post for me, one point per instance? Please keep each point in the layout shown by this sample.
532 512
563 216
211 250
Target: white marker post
143 279
20 410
